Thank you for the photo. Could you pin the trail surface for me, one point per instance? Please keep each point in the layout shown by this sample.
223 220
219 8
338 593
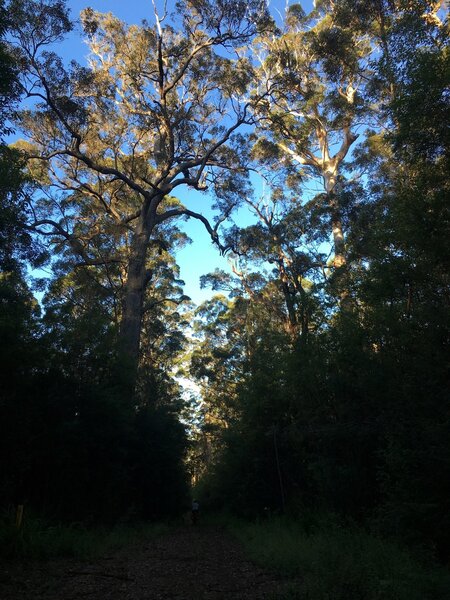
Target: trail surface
185 564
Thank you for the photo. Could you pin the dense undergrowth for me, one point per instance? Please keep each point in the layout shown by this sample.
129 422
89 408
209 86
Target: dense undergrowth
40 539
329 559
339 562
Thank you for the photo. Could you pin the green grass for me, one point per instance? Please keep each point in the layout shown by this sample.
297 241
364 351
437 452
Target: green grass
334 562
39 539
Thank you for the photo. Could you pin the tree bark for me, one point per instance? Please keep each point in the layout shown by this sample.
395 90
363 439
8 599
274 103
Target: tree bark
292 321
336 221
338 236
131 324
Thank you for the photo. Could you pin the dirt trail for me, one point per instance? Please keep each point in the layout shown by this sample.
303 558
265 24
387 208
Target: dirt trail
191 563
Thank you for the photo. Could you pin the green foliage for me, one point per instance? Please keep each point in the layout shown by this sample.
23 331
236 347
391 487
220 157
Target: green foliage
39 539
9 89
353 416
324 380
340 562
107 155
265 150
307 429
81 453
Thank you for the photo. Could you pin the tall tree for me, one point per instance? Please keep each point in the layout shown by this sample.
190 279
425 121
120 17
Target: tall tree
314 73
285 239
158 108
404 290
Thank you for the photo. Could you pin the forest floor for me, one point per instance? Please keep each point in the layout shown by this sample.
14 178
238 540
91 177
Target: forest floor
190 563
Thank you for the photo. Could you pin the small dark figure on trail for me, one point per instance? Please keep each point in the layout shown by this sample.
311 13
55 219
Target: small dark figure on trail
195 511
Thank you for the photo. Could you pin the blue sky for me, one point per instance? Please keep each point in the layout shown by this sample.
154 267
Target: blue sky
133 11
200 257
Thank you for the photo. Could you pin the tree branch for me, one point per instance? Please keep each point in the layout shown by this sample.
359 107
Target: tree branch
179 212
73 241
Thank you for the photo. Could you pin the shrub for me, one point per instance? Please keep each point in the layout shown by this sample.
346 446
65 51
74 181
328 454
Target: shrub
338 562
41 539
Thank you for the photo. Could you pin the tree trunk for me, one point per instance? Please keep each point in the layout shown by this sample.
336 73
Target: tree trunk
336 222
130 329
304 314
340 258
338 238
292 322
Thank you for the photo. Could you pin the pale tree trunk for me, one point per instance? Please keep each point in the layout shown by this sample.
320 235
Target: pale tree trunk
336 220
340 259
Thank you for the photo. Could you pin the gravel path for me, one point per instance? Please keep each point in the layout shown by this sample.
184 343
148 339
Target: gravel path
185 564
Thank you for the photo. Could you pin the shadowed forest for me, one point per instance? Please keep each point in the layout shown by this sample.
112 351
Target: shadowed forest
306 403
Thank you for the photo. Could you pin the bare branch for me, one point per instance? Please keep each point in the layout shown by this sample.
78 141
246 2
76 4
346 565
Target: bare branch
179 212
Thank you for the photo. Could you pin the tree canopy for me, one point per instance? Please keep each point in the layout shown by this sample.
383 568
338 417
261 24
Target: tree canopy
316 149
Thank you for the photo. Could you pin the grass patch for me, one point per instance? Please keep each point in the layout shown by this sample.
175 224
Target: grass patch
39 539
335 562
